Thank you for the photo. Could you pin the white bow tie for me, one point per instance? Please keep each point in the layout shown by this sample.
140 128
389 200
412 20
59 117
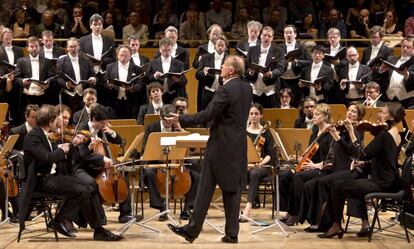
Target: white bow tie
9 49
316 66
264 51
34 59
353 66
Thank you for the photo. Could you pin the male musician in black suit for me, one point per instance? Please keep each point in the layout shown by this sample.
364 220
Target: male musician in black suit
265 85
10 54
23 129
139 60
253 32
99 129
211 80
82 116
305 119
49 50
317 69
97 44
156 201
34 67
334 38
226 152
154 92
293 65
80 70
39 153
174 85
398 85
177 51
123 102
350 75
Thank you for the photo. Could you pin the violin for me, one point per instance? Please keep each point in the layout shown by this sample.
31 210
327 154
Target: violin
363 125
111 184
259 141
68 135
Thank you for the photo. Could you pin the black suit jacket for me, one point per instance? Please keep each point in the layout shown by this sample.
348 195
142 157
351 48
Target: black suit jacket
303 61
408 83
24 69
253 55
17 51
143 60
144 110
201 50
384 52
77 116
362 71
244 46
64 65
86 46
326 71
22 131
56 51
181 54
207 60
227 112
175 67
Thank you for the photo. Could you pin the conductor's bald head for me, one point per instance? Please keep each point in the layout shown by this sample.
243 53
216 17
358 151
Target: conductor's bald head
233 67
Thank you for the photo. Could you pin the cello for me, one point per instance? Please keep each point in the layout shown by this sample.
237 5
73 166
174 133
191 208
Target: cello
111 184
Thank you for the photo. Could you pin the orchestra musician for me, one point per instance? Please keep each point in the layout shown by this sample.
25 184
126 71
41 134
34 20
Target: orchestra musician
383 153
336 166
211 81
311 165
305 119
89 98
123 100
265 85
77 68
267 154
225 159
156 201
373 95
154 92
39 153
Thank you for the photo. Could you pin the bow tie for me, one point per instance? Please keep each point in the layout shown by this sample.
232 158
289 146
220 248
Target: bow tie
9 49
264 50
353 66
166 60
34 59
219 57
316 66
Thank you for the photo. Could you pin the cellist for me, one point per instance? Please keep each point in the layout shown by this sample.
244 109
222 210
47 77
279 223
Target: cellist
86 172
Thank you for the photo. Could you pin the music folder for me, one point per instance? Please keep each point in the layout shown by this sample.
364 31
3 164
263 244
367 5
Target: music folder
308 83
214 71
126 84
178 74
68 78
9 66
359 82
294 54
95 60
45 82
341 53
242 51
400 67
260 69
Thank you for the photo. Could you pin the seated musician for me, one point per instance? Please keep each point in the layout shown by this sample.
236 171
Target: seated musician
99 130
154 93
256 132
336 166
373 95
156 201
39 153
305 119
89 98
383 152
309 165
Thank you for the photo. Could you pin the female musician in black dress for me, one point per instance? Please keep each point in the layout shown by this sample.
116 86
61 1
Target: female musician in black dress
383 152
312 166
267 153
336 166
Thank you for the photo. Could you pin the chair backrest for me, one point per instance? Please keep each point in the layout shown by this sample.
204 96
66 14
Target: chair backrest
406 178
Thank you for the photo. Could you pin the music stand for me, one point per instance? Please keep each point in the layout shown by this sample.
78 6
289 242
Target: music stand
4 155
161 147
118 122
150 118
281 118
338 111
296 140
3 111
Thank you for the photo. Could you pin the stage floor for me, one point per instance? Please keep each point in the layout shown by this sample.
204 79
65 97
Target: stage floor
137 237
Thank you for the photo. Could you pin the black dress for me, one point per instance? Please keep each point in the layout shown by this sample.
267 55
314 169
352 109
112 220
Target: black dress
383 153
255 175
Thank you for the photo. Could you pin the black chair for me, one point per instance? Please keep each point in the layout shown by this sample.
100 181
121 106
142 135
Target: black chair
29 198
396 202
267 186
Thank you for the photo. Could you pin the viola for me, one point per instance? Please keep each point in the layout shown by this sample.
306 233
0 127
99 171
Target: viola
259 141
68 135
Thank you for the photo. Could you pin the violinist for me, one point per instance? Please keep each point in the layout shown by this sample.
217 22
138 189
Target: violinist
336 166
382 153
312 165
40 154
156 201
267 153
86 172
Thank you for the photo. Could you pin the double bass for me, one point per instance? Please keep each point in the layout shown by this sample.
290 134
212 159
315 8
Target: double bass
111 184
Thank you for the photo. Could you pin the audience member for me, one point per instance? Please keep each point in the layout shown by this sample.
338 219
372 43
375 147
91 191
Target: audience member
219 15
135 27
192 29
239 28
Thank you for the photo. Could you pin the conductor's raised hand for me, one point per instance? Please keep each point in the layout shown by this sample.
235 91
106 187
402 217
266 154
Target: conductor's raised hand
173 118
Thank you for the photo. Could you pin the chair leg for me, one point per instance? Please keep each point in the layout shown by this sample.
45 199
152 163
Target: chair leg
376 208
19 235
347 223
405 226
264 195
49 210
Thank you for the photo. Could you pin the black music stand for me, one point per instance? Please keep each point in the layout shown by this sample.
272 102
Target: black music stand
5 155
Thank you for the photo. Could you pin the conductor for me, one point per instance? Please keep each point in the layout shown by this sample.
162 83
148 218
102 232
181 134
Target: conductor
225 160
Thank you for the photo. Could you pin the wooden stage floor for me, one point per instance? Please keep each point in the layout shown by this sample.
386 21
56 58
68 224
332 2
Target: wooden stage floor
137 237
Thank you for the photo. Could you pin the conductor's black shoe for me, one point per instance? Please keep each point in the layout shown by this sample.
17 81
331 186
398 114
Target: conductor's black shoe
181 232
60 228
228 239
106 235
185 215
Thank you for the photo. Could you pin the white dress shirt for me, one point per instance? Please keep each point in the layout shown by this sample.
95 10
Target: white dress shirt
53 169
76 68
313 76
122 76
375 50
396 87
157 107
136 59
166 64
10 54
48 52
34 89
352 75
217 65
259 87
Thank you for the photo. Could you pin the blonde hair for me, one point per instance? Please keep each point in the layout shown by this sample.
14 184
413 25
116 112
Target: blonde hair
325 110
